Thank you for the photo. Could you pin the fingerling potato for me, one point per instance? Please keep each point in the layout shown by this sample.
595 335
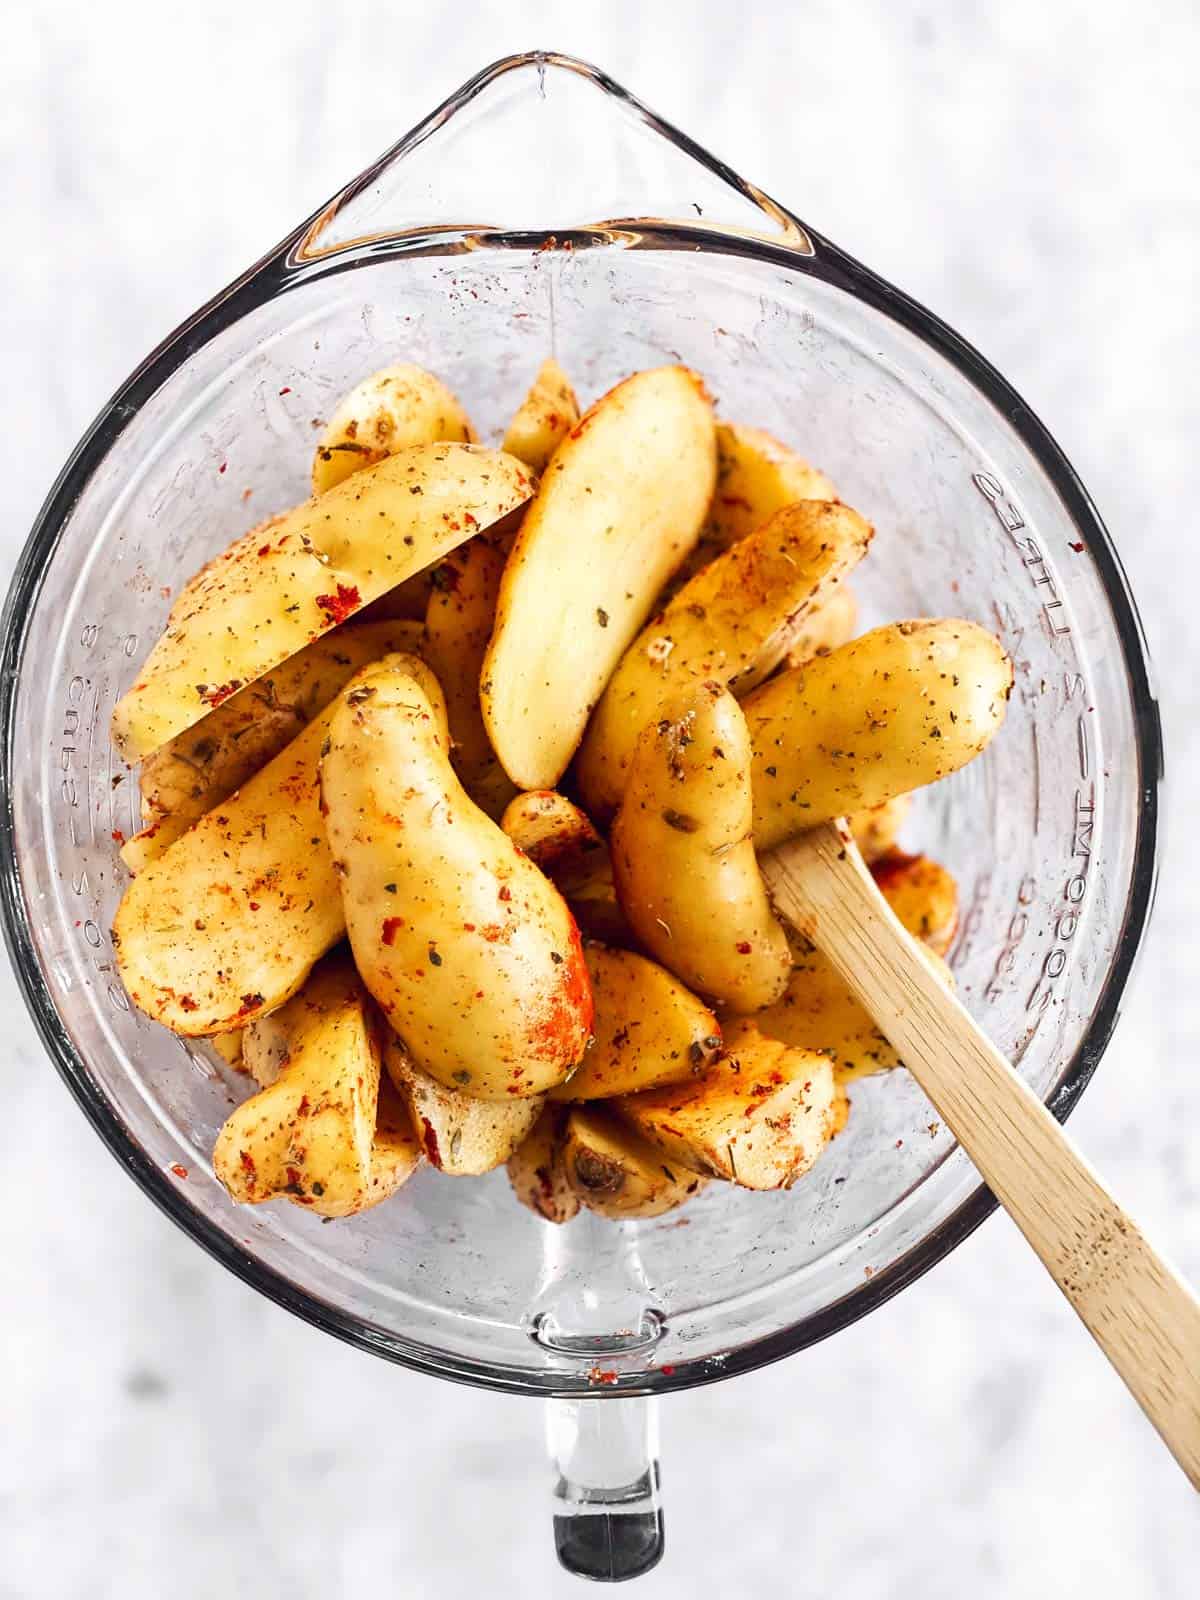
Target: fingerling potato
922 894
647 1029
308 1135
266 598
877 829
458 626
683 855
469 950
460 1135
392 410
760 1116
732 623
612 1170
831 624
619 507
756 477
560 839
202 767
228 922
544 418
897 708
536 1170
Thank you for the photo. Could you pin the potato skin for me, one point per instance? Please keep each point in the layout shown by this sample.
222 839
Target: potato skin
897 708
392 410
683 858
922 894
647 1029
618 509
458 627
202 767
734 622
460 1135
544 418
308 1136
469 950
536 1170
759 1117
756 477
227 923
265 598
612 1170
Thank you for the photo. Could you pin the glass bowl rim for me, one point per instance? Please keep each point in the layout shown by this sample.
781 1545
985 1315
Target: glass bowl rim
278 272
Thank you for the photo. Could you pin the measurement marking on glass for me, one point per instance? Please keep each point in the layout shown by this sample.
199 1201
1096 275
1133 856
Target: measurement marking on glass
1010 519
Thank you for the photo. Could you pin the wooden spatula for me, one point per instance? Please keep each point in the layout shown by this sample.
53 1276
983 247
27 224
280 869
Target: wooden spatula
1137 1308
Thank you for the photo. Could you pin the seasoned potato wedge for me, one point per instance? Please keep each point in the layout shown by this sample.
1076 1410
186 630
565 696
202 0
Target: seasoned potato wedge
470 951
818 1012
922 894
229 1047
899 707
618 509
392 410
556 835
732 623
460 1135
614 1171
536 1170
458 626
683 856
877 829
648 1029
760 1116
832 624
544 418
756 477
202 767
227 923
266 598
308 1135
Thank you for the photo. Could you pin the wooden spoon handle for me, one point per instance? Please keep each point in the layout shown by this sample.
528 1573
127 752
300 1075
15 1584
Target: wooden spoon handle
1137 1308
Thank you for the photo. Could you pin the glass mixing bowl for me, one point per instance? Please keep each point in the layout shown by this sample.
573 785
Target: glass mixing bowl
542 210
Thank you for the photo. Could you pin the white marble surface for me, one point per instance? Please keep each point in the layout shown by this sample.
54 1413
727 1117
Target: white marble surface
1027 169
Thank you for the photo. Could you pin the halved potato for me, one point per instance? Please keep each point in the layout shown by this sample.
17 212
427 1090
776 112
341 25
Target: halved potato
536 1170
202 767
267 597
227 923
760 1116
308 1136
832 624
560 839
544 418
458 626
460 1135
620 506
922 894
683 855
647 1029
756 477
733 623
818 1012
899 707
392 410
877 829
469 950
614 1171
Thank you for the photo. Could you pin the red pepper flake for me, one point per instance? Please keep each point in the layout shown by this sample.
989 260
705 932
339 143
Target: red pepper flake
505 893
215 697
264 549
430 1141
118 836
668 1371
293 1177
286 389
743 949
249 1001
247 1161
302 1108
222 467
468 927
341 605
1079 547
254 905
179 1171
602 1375
188 1004
390 925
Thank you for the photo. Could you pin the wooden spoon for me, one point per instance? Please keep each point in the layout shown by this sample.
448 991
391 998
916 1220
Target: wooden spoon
1137 1308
